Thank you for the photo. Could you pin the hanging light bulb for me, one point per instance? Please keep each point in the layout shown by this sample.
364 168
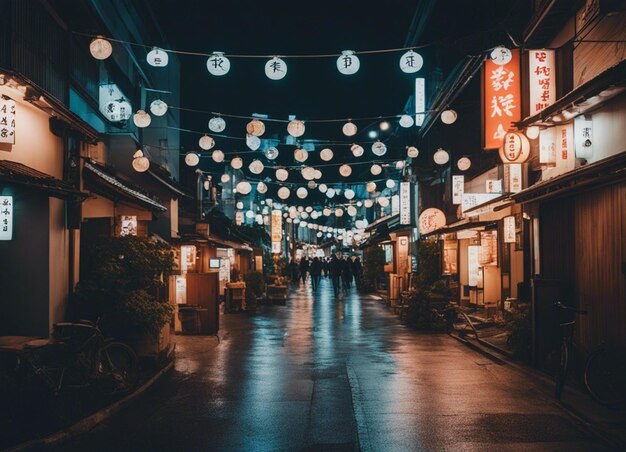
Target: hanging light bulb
349 194
370 187
271 153
338 212
348 63
318 174
448 116
142 119
308 173
326 154
275 68
217 156
302 192
323 188
296 128
384 126
157 57
206 142
326 212
283 193
501 55
255 128
100 48
256 167
399 164
192 159
239 205
244 187
300 155
349 129
282 174
351 211
312 185
237 163
376 169
357 150
464 164
261 187
345 170
406 121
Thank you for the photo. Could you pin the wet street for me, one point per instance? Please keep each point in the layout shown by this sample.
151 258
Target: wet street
322 374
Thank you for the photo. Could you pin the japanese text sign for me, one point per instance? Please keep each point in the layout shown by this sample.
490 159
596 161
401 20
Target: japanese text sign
458 186
277 231
541 79
6 217
7 121
405 203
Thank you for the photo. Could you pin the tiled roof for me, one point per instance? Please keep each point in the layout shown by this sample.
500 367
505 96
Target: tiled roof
20 174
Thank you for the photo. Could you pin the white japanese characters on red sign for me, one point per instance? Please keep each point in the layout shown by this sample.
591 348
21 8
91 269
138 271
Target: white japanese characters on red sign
7 121
6 217
405 203
541 79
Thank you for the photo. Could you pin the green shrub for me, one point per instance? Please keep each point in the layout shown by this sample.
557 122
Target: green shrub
255 283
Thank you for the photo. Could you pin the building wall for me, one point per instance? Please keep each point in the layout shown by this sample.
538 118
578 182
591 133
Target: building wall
59 262
609 133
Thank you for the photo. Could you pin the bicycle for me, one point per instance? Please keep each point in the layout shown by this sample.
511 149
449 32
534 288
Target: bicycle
78 355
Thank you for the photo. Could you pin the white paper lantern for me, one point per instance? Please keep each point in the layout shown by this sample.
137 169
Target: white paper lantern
338 212
239 205
323 188
237 163
271 153
282 174
319 234
326 154
379 148
303 224
441 157
412 152
255 128
300 209
345 170
357 150
283 193
140 163
217 156
315 214
411 62
448 116
275 68
348 63
349 194
399 164
100 48
376 169
142 119
501 55
192 159
300 155
308 209
261 187
256 167
302 192
390 183
225 178
249 214
158 107
330 192
244 187
370 187
326 212
318 174
206 142
217 64
406 121
464 164
351 211
217 124
384 202
259 218
349 129
532 132
253 142
312 185
296 128
157 57
368 203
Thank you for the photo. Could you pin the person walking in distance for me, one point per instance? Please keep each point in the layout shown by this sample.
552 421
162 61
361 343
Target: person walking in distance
357 271
325 267
346 273
335 268
304 268
316 272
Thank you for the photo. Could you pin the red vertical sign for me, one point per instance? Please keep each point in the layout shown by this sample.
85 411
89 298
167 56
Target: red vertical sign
501 98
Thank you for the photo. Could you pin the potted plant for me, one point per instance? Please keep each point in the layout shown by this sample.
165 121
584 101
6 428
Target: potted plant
255 286
277 292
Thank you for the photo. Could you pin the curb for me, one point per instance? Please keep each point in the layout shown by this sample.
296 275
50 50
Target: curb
92 420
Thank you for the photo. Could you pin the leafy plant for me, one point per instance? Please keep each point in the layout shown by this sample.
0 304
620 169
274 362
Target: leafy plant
255 283
520 334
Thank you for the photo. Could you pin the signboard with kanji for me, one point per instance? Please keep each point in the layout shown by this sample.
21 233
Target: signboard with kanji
405 203
541 79
7 121
277 231
502 99
6 217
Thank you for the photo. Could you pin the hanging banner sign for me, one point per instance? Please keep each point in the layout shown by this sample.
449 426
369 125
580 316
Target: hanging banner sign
583 137
6 217
420 100
509 229
405 203
513 177
565 140
7 121
277 231
541 79
472 265
395 205
430 220
547 146
476 199
458 186
501 98
493 186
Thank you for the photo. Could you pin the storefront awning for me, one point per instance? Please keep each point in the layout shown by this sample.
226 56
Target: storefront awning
389 220
19 174
102 182
464 225
605 172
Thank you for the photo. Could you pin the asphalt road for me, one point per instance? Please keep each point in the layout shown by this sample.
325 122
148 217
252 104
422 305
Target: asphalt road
326 374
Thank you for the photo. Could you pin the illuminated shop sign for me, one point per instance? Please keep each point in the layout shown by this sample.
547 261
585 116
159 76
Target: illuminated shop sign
6 217
541 79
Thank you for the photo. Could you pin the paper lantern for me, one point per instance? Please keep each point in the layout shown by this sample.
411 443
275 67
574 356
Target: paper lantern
379 148
217 124
370 187
303 224
244 187
319 234
384 202
249 214
206 142
441 157
282 174
448 116
312 185
261 187
532 132
259 218
390 183
384 125
338 212
329 235
275 68
326 154
308 209
349 194
158 107
357 150
326 212
296 128
217 64
348 63
376 169
217 156
255 128
157 57
142 119
411 62
239 205
501 55
464 163
300 155
430 220
322 188
271 153
100 48
302 192
140 162
368 203
406 121
412 152
256 167
399 164
192 159
515 148
253 142
345 170
351 211
315 214
318 174
349 129
237 163
225 178
308 173
330 192
300 209
125 110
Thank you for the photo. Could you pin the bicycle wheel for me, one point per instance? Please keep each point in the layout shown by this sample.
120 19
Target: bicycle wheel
561 374
119 362
604 377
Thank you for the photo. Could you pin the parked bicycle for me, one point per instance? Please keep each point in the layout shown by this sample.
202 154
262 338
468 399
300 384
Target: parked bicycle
78 355
605 370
